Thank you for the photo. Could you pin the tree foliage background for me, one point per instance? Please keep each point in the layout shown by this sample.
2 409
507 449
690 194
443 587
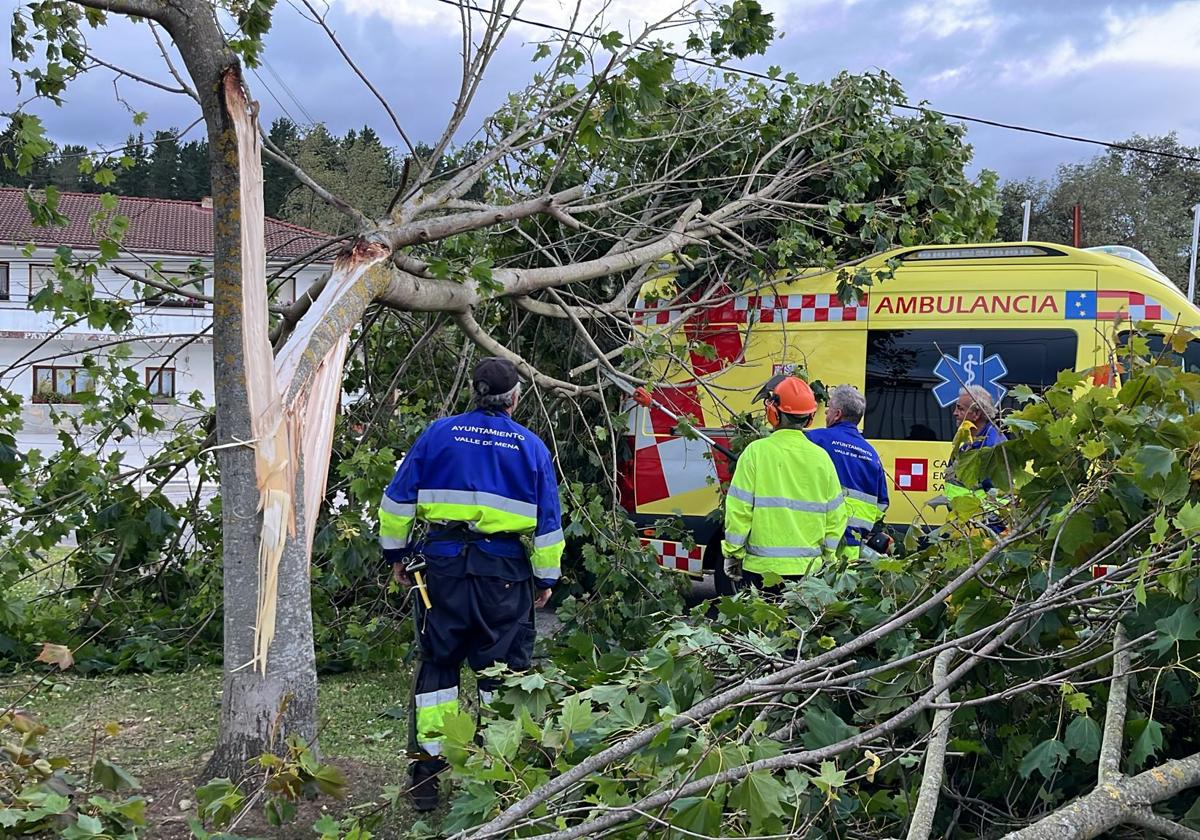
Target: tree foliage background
1143 201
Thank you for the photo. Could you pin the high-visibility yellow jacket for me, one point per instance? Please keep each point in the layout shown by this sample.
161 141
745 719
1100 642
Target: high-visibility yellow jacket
784 512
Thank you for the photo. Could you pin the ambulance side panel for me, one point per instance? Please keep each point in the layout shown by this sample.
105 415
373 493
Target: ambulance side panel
933 330
751 338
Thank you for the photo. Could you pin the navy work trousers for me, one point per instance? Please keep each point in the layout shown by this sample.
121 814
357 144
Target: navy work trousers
477 619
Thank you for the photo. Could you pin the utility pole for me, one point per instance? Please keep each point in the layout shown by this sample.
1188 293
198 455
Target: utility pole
1195 240
1025 223
1077 225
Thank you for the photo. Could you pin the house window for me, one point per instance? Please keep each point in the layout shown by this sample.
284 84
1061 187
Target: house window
160 381
283 291
41 275
185 281
61 383
3 281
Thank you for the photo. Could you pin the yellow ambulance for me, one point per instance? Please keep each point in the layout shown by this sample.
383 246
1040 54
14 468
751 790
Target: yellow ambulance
999 316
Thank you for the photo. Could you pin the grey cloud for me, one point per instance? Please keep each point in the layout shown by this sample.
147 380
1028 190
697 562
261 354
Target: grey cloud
418 70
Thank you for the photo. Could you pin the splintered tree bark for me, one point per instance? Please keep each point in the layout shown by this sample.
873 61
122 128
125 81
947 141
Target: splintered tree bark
270 689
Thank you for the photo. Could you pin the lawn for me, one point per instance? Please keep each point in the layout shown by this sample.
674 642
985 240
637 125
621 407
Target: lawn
166 725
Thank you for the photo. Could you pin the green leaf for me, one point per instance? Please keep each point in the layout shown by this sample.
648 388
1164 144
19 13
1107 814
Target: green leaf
531 682
1155 460
280 811
1188 518
1159 532
1044 758
1093 449
823 727
1183 625
111 777
327 824
761 796
576 714
85 826
503 737
1083 739
1139 589
1148 738
830 779
698 815
459 728
1075 699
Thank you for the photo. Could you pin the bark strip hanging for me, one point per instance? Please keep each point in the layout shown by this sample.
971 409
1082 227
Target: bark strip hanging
274 461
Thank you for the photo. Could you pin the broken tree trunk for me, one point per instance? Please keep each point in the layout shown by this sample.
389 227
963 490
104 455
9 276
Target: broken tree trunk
266 697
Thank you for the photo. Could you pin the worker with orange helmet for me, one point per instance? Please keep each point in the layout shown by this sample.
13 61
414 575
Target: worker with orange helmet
784 512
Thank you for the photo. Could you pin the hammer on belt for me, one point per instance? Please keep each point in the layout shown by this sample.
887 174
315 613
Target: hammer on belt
415 569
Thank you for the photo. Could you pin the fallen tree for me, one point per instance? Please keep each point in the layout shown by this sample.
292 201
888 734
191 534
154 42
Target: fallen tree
804 717
612 160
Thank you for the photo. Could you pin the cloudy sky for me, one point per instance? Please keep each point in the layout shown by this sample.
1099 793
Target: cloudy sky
1099 69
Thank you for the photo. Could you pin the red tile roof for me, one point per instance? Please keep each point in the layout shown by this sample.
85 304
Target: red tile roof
156 226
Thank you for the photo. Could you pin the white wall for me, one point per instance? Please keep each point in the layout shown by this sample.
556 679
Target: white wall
178 337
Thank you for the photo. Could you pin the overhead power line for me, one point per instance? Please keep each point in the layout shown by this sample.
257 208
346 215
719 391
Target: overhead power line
288 91
754 74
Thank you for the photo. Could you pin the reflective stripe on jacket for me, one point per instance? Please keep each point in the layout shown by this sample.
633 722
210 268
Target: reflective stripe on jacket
860 471
486 471
784 512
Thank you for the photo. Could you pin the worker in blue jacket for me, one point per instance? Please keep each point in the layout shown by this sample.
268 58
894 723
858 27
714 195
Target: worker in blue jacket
864 482
482 482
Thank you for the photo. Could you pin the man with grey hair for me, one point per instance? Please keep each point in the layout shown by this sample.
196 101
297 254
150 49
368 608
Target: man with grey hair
483 484
975 412
859 469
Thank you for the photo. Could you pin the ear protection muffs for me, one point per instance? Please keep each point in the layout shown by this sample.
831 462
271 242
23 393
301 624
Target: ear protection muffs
773 411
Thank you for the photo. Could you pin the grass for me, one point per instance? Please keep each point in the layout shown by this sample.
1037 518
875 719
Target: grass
166 725
168 722
51 577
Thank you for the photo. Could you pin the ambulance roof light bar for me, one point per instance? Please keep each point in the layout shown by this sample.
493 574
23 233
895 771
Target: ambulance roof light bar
992 252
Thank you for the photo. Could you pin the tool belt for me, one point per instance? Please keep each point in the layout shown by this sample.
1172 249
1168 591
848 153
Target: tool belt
459 532
488 555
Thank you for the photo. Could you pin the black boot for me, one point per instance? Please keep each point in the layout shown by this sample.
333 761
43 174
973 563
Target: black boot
424 774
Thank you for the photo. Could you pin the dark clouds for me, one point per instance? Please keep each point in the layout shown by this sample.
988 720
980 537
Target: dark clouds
1106 71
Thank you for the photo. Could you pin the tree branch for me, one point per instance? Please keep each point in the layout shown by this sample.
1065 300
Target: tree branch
1114 802
477 334
336 202
935 757
1161 825
149 9
452 225
1114 714
320 20
144 80
709 706
162 48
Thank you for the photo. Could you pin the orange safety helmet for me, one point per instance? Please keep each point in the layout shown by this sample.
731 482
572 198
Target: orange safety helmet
788 395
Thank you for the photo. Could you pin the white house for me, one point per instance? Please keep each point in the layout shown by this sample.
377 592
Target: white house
171 241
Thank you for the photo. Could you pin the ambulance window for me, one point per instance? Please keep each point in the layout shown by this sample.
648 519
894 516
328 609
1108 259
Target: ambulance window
913 376
1190 358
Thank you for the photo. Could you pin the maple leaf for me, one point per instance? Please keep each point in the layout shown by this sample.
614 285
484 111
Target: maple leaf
59 655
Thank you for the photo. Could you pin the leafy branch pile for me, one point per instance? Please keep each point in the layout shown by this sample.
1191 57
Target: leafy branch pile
42 793
811 715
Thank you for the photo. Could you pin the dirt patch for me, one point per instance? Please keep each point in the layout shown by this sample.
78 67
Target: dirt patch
172 801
